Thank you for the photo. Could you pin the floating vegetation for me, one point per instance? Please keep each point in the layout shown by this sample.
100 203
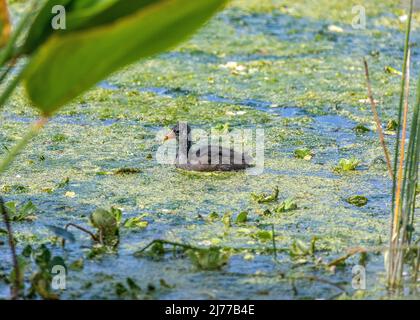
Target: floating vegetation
25 212
41 280
304 154
209 259
347 165
265 198
129 290
136 222
124 171
392 125
358 201
242 217
107 223
301 249
360 128
263 235
286 205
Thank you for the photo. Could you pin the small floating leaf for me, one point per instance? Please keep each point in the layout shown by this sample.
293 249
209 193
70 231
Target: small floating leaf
360 128
136 222
347 164
358 201
391 70
242 217
287 205
227 219
124 171
208 259
304 154
392 125
264 198
264 235
214 216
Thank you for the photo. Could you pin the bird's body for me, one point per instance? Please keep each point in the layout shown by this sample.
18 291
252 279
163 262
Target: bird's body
206 158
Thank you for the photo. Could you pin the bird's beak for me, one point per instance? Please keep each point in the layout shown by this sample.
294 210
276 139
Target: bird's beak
169 136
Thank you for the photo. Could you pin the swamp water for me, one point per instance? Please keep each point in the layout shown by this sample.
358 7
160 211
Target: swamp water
282 70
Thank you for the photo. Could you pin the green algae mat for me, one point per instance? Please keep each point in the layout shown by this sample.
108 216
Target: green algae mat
302 229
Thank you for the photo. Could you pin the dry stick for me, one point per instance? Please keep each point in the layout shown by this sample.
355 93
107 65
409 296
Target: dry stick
402 150
377 120
16 284
92 235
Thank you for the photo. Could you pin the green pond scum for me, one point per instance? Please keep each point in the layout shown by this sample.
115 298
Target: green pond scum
292 68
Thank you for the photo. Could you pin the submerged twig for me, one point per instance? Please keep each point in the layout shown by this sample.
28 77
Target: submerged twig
188 246
93 236
377 120
16 283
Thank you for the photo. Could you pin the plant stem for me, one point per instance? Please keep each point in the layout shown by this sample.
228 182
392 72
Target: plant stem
395 257
9 51
33 131
377 120
397 208
16 284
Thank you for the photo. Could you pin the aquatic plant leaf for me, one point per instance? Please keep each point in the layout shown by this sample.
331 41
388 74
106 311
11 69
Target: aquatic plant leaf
264 235
299 248
264 198
107 223
213 216
287 205
25 212
360 128
62 233
69 63
126 171
304 154
392 125
227 219
358 201
347 164
135 222
242 217
208 259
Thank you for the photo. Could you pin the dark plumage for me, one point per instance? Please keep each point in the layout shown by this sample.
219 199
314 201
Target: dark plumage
205 158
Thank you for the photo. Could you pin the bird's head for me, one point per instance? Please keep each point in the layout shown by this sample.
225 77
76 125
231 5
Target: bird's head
181 129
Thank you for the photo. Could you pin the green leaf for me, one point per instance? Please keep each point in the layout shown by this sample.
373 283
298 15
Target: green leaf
347 164
69 63
208 259
136 222
242 217
264 198
358 201
264 235
41 27
287 205
304 154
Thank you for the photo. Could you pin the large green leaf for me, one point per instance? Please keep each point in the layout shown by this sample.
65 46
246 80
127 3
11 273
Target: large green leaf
41 27
71 62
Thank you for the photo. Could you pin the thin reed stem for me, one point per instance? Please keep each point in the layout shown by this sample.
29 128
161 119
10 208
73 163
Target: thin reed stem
398 208
377 120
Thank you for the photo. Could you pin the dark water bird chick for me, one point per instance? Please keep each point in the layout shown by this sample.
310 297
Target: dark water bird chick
206 157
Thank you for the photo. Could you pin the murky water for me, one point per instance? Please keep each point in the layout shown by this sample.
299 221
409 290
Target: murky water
292 77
